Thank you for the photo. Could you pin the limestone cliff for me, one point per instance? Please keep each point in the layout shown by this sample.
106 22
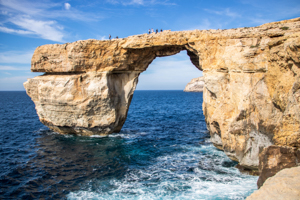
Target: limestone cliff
195 85
251 96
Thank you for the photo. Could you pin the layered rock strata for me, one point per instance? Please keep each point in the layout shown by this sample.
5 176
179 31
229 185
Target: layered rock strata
195 85
284 185
251 96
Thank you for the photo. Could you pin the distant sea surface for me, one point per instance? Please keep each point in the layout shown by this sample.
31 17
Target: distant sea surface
162 152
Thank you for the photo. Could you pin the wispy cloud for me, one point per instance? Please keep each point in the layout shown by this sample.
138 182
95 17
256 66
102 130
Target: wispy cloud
10 68
39 18
45 29
101 37
16 57
9 30
14 83
141 2
225 12
205 24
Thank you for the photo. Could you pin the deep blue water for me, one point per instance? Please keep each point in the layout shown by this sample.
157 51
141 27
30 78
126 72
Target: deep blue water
162 152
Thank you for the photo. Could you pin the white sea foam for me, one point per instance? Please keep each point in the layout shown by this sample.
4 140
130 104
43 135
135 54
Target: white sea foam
97 136
128 135
186 175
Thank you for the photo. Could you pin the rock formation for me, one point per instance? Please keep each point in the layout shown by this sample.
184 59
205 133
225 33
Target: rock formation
275 158
195 85
251 96
284 185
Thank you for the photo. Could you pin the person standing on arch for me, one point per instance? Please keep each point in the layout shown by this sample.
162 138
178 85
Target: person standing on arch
149 31
109 36
152 30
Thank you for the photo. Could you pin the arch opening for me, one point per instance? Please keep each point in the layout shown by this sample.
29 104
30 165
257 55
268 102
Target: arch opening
170 72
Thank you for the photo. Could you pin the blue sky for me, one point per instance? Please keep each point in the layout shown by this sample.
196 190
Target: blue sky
26 24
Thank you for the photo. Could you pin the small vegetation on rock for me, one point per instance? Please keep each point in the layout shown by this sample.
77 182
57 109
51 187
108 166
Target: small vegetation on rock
284 28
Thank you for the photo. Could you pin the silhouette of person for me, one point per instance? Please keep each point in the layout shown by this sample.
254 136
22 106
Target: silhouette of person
109 36
156 30
117 37
149 31
160 30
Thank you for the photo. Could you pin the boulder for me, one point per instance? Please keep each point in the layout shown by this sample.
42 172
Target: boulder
284 185
275 158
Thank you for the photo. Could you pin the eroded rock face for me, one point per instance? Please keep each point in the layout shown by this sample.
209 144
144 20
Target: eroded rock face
275 158
284 185
251 94
195 85
86 103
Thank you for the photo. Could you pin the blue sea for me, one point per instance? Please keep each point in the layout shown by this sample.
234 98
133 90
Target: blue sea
162 152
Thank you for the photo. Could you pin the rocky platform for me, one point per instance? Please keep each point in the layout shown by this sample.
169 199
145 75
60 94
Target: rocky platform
251 97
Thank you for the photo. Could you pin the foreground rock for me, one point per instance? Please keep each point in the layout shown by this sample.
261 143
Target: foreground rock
284 185
251 96
275 158
195 85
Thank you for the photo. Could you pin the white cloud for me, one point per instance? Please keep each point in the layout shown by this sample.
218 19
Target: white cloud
9 30
39 18
45 29
67 6
26 7
14 83
101 38
204 25
141 2
16 57
224 12
10 68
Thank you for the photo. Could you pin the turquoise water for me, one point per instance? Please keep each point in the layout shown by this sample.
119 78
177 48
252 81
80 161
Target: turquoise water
162 152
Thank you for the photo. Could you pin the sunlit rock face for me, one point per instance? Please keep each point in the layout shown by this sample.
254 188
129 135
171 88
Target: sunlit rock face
251 94
284 185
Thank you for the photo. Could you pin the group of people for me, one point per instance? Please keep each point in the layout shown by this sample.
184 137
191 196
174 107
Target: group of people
152 31
110 37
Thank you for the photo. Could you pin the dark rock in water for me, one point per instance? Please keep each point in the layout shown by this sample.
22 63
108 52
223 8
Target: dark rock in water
247 171
275 158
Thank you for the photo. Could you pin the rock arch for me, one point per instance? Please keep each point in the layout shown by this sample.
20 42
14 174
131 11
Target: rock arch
251 95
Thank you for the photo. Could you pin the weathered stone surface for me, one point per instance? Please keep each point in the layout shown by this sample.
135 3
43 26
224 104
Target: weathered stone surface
85 104
195 85
284 185
251 96
275 158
